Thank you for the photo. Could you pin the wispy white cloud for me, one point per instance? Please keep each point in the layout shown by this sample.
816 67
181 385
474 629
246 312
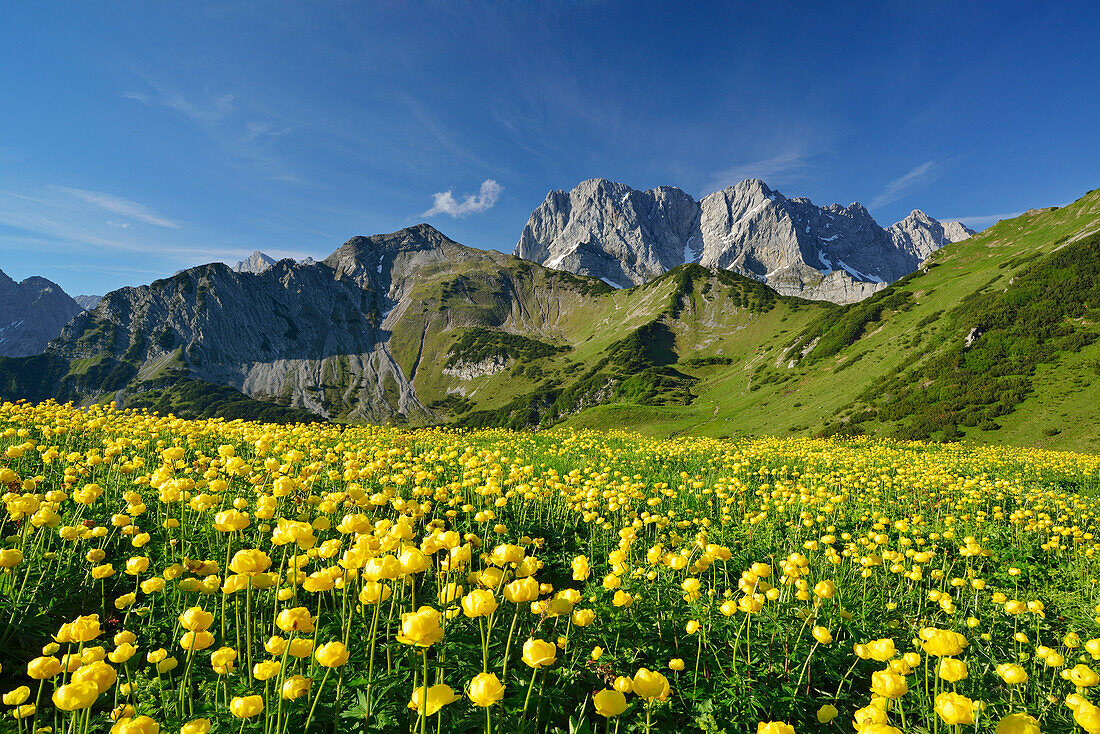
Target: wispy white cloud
444 202
921 175
118 205
243 130
784 166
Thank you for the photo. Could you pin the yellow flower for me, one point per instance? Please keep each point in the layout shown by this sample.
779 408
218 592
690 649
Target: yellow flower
822 635
196 620
774 727
951 670
17 696
222 660
582 617
99 672
250 562
881 650
266 669
331 655
954 709
421 628
1087 716
245 707
196 640
827 713
485 689
1083 676
122 653
479 603
676 664
438 696
888 685
139 725
42 668
623 684
692 626
10 557
522 590
825 589
581 569
295 687
196 726
597 652
941 642
650 685
374 592
1020 723
539 653
622 599
297 619
609 703
75 696
1011 673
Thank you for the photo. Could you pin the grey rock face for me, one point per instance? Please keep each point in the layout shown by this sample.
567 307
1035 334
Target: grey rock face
87 302
31 314
627 237
921 235
337 337
257 262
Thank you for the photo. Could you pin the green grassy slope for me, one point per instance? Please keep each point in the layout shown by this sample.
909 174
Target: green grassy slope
897 365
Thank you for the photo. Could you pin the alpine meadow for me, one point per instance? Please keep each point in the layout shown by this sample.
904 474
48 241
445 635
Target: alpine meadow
549 453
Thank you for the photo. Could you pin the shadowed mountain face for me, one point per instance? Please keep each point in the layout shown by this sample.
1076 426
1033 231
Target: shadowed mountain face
31 313
626 237
342 338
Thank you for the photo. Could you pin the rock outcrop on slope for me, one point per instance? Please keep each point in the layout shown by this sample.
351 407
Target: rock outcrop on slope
627 237
32 312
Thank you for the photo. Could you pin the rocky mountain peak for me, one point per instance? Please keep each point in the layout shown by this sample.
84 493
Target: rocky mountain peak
626 237
257 262
32 312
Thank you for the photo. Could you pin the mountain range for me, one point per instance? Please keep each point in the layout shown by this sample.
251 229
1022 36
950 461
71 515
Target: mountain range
627 237
414 328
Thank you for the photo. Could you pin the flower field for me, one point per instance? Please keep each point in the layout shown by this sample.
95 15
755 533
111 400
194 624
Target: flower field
175 576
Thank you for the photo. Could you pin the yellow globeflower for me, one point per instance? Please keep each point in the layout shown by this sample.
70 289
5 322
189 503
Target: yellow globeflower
941 642
99 672
266 669
196 726
1083 676
245 707
888 685
676 664
42 668
295 687
827 713
951 670
250 562
774 727
438 696
486 689
75 696
332 654
882 650
609 703
196 640
623 684
421 628
954 709
1020 723
650 685
1012 674
10 557
479 603
1087 716
196 620
140 725
539 653
692 626
297 619
822 635
17 696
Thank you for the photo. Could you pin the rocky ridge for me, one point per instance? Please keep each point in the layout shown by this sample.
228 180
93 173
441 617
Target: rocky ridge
627 237
32 312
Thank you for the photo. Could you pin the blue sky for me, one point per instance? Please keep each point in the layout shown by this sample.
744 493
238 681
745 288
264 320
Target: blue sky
140 138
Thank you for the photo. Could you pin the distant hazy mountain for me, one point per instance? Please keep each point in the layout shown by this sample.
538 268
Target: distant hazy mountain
627 237
87 302
257 262
32 313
